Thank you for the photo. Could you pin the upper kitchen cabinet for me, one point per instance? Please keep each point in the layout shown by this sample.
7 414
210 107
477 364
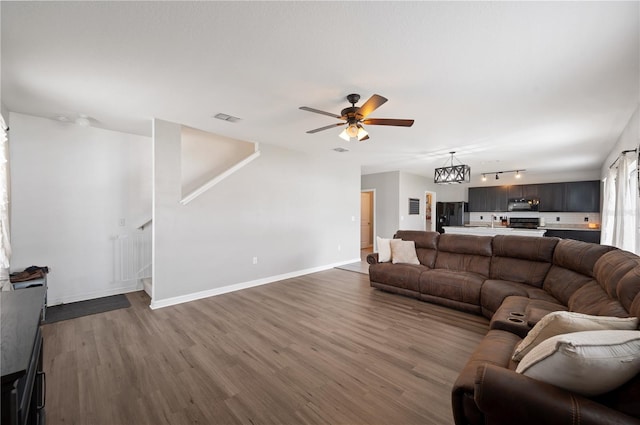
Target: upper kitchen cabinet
488 199
582 196
523 191
552 197
497 198
478 199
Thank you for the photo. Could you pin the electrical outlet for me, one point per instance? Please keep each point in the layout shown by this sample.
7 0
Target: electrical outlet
339 247
557 218
586 219
481 218
255 260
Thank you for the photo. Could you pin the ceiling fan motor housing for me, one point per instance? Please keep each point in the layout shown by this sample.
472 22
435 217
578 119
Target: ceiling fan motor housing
353 98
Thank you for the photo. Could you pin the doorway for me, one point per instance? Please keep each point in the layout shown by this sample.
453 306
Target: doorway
430 202
366 218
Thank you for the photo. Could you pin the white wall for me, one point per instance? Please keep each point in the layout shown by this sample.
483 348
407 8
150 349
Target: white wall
387 198
293 212
70 187
393 190
629 139
206 155
412 186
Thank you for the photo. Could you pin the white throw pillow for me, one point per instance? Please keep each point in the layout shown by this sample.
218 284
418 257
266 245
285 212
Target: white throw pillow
403 252
562 322
588 363
384 249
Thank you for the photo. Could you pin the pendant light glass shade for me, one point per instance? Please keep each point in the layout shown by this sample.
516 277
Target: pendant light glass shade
344 135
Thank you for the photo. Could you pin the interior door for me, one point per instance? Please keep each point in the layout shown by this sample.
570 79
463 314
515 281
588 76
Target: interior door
366 220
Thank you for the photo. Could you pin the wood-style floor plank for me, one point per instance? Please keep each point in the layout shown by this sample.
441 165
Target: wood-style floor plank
324 348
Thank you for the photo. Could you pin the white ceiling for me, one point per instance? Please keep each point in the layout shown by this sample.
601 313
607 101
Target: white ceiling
546 86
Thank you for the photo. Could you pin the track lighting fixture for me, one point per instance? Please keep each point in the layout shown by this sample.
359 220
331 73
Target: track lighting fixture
497 173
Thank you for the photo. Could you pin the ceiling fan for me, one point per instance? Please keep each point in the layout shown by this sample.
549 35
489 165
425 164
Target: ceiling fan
354 117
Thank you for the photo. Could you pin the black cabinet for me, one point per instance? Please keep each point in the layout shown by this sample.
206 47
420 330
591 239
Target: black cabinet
478 199
551 197
592 236
582 196
497 198
23 379
523 191
488 199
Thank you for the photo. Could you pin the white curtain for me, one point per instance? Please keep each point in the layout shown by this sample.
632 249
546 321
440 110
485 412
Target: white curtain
619 212
5 245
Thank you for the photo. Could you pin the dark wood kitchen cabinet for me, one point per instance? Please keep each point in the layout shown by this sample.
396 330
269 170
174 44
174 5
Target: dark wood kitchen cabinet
497 198
478 199
523 191
592 236
552 197
23 379
582 196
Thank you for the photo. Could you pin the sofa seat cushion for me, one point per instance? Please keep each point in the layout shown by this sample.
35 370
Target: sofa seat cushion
496 348
494 292
530 311
454 285
405 276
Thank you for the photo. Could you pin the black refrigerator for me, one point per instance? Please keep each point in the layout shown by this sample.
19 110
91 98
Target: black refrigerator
451 214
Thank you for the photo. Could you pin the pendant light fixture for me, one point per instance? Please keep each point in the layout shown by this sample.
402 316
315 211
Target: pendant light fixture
452 173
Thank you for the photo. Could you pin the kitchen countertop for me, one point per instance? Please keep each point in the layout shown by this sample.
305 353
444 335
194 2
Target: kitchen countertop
492 231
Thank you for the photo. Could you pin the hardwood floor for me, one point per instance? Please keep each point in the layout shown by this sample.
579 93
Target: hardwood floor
324 348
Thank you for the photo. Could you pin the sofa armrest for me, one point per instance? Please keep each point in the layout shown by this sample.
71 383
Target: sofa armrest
507 397
372 258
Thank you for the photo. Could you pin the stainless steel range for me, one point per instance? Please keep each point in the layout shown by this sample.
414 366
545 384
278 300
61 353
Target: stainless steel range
524 222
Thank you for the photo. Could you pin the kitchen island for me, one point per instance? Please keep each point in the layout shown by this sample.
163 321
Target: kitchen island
492 231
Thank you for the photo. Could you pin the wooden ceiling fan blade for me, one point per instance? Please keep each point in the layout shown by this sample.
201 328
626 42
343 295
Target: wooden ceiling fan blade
326 127
371 105
388 121
318 111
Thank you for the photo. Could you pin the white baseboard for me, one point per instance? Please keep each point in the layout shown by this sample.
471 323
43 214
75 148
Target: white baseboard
123 289
155 304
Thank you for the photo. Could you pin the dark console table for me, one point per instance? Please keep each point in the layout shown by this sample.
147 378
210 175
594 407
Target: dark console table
23 379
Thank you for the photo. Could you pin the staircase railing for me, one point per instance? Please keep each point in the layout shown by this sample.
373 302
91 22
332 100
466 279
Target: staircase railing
132 255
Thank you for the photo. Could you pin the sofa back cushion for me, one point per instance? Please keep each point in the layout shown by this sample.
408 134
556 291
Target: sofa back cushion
426 244
592 299
522 259
613 272
628 291
468 253
572 268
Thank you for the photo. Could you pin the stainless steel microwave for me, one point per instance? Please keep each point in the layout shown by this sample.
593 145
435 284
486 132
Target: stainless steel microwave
523 204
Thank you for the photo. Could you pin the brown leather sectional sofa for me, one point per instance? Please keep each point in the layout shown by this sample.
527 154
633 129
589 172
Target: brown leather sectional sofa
515 281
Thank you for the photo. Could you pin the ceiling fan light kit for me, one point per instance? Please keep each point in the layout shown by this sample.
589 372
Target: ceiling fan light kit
452 173
354 117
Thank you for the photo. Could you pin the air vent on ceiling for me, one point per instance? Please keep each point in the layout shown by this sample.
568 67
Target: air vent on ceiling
341 150
226 117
